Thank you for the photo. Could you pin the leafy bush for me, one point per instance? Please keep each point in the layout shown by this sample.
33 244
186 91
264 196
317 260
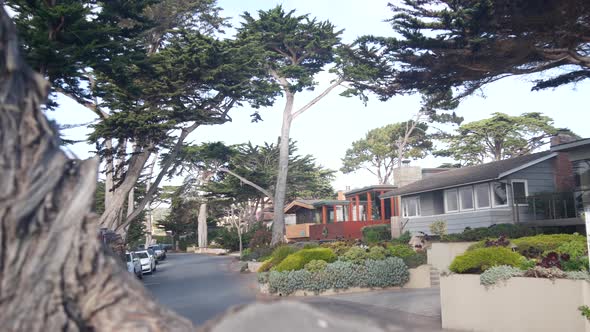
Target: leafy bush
438 228
401 251
339 247
479 260
404 238
541 272
498 273
376 233
341 275
512 231
310 245
277 256
574 249
263 277
256 254
535 246
260 239
316 265
377 253
585 310
297 261
415 260
355 255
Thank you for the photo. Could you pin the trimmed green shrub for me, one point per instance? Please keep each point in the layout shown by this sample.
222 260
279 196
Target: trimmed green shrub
512 231
575 249
341 275
316 265
404 238
498 273
355 255
535 246
377 253
297 261
339 247
376 233
277 256
479 260
401 251
415 260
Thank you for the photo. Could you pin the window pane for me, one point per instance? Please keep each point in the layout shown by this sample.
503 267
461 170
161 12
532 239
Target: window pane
519 191
411 207
482 194
466 195
451 200
499 193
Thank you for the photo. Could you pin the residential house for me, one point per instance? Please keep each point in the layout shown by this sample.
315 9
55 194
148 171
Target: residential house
544 189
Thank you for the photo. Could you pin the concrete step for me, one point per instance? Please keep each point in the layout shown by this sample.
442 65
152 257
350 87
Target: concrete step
434 277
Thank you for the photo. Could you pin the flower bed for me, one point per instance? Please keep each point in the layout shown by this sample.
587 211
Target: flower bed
342 275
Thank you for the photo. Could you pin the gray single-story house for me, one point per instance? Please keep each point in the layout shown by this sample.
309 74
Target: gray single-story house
540 188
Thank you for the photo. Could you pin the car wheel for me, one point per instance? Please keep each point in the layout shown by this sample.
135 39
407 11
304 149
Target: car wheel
155 268
140 275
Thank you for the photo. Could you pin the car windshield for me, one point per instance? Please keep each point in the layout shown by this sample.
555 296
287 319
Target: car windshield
142 254
128 256
155 248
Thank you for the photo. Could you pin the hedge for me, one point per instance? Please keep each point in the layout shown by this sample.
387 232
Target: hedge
277 256
376 233
479 260
511 231
340 275
298 260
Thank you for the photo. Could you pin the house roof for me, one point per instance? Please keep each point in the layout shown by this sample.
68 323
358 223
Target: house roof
473 174
571 145
370 188
311 204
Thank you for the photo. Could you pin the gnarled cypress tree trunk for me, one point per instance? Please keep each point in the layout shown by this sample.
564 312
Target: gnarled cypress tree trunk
54 274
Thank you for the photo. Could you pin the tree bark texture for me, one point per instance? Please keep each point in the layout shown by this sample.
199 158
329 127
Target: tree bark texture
54 274
278 225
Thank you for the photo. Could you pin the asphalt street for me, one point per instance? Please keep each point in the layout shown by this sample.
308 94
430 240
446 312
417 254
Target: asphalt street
199 287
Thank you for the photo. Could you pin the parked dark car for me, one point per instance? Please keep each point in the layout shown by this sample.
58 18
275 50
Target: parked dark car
159 251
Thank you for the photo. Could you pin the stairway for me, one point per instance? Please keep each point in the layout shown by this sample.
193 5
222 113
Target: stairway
434 277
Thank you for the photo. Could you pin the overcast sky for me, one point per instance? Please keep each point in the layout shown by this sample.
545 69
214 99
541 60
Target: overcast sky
329 128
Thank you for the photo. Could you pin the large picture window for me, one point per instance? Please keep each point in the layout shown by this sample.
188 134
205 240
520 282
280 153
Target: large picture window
466 198
411 206
482 196
451 200
499 194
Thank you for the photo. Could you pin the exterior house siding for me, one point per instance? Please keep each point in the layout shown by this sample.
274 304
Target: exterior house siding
456 222
540 177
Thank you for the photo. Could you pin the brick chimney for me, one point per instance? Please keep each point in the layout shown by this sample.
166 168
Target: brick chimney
564 171
341 195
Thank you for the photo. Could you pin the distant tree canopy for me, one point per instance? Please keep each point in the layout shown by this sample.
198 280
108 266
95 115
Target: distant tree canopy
500 137
379 151
469 43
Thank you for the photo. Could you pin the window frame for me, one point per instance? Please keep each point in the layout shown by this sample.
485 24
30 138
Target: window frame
446 200
526 189
493 198
461 200
405 206
489 191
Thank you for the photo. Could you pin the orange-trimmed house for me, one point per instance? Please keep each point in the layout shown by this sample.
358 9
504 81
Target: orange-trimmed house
340 219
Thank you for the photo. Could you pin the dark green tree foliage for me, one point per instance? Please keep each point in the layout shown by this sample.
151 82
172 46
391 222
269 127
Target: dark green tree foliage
470 43
500 137
257 164
379 151
65 39
181 221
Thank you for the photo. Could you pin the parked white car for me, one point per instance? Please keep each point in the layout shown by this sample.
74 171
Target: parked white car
147 260
133 264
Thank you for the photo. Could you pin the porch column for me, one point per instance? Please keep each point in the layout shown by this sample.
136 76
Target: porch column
335 213
324 213
392 207
382 208
369 207
349 211
358 213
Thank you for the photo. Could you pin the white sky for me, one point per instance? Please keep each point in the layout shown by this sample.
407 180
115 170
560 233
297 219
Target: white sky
329 128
